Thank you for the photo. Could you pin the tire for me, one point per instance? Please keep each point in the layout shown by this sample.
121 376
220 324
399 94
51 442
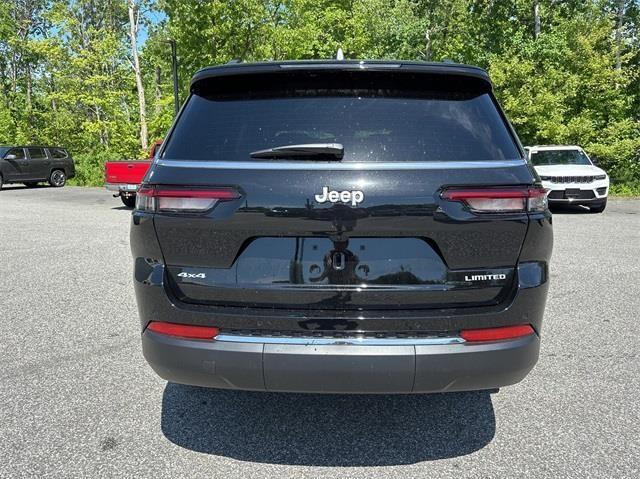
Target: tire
599 207
58 178
31 184
1 182
129 201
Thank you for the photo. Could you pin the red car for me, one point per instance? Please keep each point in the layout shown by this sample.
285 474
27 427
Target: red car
125 176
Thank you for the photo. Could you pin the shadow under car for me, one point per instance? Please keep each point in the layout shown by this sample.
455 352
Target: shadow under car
327 430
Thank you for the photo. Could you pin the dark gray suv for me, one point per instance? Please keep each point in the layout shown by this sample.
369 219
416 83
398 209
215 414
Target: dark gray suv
33 164
341 227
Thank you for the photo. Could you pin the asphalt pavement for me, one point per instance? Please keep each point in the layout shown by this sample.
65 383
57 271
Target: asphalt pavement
78 400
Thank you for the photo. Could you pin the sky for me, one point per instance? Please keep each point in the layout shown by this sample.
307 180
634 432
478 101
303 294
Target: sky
154 17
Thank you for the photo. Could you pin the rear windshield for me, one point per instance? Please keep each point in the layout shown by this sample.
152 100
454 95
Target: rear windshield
372 125
559 157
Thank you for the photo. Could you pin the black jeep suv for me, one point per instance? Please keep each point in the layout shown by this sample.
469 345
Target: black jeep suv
341 226
33 164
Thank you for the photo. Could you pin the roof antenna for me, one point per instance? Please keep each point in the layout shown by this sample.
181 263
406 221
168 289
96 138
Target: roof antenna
340 55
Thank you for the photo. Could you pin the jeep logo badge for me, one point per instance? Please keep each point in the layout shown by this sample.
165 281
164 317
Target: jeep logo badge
332 196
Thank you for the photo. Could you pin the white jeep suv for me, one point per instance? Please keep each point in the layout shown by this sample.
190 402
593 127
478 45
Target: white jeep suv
571 176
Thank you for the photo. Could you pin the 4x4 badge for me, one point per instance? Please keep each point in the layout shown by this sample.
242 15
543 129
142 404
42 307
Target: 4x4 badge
192 275
332 196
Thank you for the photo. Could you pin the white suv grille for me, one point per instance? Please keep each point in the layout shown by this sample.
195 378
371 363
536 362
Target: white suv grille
568 179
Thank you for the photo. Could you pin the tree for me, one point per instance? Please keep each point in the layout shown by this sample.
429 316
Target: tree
134 18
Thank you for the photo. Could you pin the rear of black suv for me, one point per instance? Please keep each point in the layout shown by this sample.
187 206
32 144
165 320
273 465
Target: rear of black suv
341 227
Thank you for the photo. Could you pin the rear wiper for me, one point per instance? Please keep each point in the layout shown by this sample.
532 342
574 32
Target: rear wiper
334 151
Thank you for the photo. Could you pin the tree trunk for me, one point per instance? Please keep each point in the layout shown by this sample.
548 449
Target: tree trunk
14 73
158 99
30 102
52 90
536 19
619 34
133 28
428 46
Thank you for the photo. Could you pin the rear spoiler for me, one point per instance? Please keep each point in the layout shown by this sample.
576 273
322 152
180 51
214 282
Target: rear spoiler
219 74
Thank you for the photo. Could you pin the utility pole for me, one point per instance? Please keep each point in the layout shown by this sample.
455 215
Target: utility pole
174 70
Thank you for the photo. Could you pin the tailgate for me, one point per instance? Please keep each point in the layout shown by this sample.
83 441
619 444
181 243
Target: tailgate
126 172
402 247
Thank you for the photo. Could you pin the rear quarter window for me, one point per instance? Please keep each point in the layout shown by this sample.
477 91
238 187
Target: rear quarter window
373 124
58 153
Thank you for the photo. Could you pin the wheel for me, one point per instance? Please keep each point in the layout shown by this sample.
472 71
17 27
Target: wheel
30 184
598 207
129 200
0 182
57 179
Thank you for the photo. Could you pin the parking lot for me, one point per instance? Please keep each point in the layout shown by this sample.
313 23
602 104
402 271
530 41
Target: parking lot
78 400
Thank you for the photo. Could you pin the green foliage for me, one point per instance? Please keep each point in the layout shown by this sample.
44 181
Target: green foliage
563 88
66 75
90 168
629 190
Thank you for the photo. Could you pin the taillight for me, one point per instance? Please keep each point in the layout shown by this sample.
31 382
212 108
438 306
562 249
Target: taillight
182 200
187 331
496 334
499 200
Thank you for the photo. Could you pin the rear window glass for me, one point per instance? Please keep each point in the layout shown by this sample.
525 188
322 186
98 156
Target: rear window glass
373 125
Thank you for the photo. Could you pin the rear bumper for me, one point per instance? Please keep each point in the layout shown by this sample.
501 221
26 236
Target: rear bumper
341 368
122 187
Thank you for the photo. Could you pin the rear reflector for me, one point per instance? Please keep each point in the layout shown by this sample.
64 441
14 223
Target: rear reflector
499 200
496 334
182 200
183 330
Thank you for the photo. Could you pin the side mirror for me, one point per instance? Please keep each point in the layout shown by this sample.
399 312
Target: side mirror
11 156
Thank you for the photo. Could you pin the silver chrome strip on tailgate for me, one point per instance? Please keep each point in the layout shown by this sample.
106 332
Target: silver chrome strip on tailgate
337 165
233 338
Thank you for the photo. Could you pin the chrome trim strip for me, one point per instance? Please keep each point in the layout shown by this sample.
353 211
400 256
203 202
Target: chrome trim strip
337 165
233 338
